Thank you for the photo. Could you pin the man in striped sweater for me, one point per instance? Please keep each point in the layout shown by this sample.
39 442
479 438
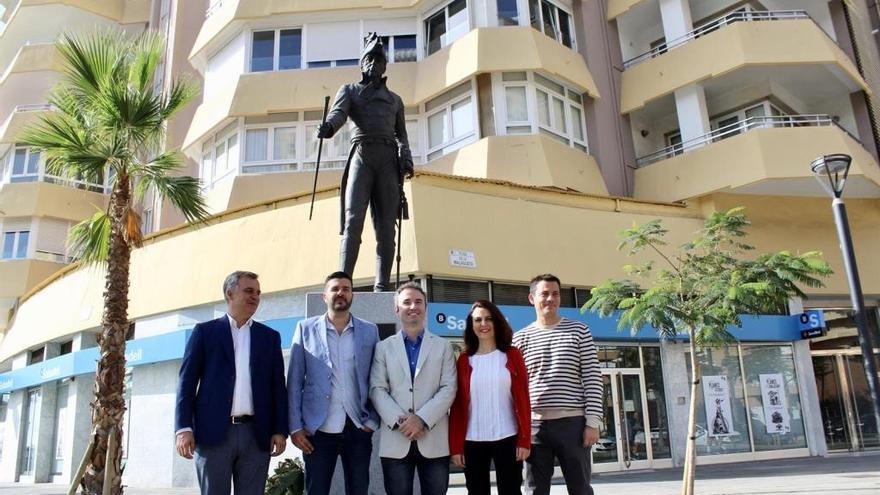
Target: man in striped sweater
565 387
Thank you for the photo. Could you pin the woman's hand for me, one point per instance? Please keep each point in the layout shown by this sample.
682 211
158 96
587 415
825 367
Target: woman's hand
522 454
458 460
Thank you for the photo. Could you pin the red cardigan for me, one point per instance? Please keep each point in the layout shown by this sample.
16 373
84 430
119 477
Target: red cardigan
519 389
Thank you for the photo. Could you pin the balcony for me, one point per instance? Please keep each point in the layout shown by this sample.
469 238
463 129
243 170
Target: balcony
761 155
17 276
480 51
772 42
21 117
39 197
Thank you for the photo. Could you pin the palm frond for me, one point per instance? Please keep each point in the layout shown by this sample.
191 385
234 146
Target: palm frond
89 240
184 191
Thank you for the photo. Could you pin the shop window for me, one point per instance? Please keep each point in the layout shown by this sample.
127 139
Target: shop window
4 407
612 356
773 397
452 120
722 427
400 48
552 20
28 459
277 49
446 25
61 424
656 397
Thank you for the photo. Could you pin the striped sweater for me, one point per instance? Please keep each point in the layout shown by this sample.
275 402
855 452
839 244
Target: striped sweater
563 368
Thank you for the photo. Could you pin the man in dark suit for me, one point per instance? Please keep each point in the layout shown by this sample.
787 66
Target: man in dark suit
231 400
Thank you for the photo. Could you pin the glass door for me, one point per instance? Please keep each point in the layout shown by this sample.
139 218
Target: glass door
29 449
623 441
844 400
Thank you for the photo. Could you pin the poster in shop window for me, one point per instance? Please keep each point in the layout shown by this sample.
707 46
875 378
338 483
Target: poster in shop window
776 417
716 394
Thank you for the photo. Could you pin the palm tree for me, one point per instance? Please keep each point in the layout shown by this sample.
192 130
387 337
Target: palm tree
110 119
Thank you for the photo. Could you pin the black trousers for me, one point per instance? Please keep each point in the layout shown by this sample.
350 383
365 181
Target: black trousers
508 471
563 439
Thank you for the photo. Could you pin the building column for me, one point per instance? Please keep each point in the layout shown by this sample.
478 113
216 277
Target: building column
809 395
690 101
81 390
675 381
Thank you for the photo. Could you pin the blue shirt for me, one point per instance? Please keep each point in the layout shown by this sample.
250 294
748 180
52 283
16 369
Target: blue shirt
412 351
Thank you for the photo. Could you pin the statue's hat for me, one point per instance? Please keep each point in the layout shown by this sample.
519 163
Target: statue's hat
373 45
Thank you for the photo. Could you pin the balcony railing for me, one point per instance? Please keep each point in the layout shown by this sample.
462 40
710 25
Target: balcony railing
33 107
738 128
713 25
54 179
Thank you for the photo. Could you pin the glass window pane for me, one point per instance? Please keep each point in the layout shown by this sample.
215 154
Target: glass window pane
513 76
723 430
232 152
774 401
517 110
256 145
613 356
458 21
347 62
220 154
19 161
507 13
435 29
312 142
263 51
33 163
565 29
535 14
548 15
412 133
559 115
290 48
22 248
552 86
8 244
656 395
405 48
438 133
319 64
284 147
462 118
577 123
519 129
543 108
206 167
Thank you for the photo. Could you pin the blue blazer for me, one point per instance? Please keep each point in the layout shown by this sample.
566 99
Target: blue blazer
308 375
207 379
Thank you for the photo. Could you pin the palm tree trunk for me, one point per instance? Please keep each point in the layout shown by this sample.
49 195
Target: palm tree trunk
690 456
109 404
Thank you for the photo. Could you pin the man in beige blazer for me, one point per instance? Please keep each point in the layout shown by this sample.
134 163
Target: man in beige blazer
412 386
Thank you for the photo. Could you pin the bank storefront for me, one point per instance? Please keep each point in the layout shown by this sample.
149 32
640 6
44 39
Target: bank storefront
758 399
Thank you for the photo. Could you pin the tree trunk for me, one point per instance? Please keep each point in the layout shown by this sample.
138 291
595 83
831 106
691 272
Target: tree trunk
108 406
690 456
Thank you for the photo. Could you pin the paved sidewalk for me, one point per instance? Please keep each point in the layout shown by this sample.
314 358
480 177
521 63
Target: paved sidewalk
839 474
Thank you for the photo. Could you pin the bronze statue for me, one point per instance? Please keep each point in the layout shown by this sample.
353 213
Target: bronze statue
377 162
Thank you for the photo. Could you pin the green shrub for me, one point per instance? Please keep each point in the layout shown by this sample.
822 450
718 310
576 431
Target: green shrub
287 479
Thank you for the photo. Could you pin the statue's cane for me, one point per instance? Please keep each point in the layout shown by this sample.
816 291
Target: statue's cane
402 214
318 159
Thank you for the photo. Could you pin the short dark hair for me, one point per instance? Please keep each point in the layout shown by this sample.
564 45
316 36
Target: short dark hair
503 332
414 286
544 277
339 274
231 281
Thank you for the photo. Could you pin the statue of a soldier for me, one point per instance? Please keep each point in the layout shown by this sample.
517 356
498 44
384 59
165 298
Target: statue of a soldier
378 160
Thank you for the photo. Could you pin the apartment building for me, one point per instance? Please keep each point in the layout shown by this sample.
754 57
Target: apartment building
539 128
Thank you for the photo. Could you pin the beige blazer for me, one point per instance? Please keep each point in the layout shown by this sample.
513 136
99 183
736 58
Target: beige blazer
429 394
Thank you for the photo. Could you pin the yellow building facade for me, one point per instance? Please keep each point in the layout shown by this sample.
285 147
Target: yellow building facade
539 129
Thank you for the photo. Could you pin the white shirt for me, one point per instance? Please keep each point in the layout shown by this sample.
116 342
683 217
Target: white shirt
242 397
343 379
491 406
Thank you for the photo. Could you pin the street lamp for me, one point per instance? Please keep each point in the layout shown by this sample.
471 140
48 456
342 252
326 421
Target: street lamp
831 171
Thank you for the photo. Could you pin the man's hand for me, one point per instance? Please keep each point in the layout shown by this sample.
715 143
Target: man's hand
591 436
300 439
186 444
522 454
367 429
325 131
279 443
412 427
458 460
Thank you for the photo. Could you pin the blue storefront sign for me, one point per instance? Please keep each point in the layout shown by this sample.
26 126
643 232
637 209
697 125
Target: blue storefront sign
811 323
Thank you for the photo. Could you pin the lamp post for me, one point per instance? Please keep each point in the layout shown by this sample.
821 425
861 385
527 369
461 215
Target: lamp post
831 171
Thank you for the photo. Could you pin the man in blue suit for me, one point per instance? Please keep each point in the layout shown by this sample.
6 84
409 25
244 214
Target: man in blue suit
328 392
231 410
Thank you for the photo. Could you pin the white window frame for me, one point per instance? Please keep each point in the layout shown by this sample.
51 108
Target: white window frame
16 241
276 48
25 176
454 143
212 143
532 87
444 7
392 49
291 165
557 35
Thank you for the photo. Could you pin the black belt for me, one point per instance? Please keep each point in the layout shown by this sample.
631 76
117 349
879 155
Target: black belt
374 140
237 420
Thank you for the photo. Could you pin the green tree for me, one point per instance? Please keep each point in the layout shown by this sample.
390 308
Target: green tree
701 289
110 121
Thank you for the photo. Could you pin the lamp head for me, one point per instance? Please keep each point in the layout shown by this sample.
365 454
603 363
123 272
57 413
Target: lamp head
831 172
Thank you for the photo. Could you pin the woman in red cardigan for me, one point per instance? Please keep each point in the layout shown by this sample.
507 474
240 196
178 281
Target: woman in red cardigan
490 419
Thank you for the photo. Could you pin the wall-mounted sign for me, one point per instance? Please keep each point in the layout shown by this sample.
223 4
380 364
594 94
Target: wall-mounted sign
461 258
716 394
811 323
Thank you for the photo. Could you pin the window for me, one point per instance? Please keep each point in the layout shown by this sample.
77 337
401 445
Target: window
551 20
400 48
534 103
61 427
773 398
278 49
333 63
15 244
508 14
65 347
446 25
4 407
37 355
334 151
220 155
25 165
452 120
147 221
